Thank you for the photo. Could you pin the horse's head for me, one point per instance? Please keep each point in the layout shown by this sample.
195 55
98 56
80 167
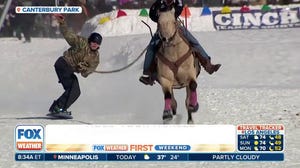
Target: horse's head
167 25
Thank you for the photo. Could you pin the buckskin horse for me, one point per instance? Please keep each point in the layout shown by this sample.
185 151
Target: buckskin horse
176 66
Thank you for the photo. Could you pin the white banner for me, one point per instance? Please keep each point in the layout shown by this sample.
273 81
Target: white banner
140 138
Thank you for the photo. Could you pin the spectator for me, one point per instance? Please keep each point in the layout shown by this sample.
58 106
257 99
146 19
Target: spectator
76 21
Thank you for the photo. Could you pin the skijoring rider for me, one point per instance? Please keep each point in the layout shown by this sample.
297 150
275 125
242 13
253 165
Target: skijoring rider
82 57
164 5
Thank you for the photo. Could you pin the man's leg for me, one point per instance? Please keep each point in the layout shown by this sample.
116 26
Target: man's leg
70 84
204 58
72 91
27 32
147 79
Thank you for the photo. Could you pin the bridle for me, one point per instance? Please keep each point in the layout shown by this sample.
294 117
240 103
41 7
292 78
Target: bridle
168 40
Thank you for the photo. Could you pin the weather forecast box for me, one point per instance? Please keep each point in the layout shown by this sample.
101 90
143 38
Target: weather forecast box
140 138
260 137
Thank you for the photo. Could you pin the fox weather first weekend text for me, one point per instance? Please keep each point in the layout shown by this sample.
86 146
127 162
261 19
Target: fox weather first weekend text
245 142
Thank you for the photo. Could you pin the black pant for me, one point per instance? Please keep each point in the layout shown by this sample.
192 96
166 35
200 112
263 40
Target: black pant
69 81
27 29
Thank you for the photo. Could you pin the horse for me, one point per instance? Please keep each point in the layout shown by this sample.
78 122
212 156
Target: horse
176 66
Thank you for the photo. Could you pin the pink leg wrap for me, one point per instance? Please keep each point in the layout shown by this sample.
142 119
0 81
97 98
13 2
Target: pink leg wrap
193 98
168 104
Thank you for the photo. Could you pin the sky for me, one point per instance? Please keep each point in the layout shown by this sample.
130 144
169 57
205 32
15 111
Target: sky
257 83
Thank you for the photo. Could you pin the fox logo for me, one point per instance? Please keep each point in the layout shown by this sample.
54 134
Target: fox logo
29 133
29 137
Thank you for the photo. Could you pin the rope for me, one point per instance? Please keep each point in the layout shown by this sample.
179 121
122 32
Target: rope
134 61
148 28
125 67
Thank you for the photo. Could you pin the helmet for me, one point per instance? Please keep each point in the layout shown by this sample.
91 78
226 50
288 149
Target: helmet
96 38
169 2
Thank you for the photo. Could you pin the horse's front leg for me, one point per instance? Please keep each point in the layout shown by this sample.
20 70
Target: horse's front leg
193 100
167 90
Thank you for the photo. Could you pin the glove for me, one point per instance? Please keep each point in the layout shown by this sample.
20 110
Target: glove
59 17
83 66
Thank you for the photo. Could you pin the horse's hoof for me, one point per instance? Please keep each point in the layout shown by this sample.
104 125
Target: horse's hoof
174 111
167 115
190 122
193 109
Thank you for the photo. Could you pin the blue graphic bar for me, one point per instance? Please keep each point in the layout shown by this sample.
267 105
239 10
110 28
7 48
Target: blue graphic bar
237 157
149 157
30 157
75 157
172 147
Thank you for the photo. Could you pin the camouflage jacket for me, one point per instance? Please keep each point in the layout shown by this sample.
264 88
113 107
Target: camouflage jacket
79 52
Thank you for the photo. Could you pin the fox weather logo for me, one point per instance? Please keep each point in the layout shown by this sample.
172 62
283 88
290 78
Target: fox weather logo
29 137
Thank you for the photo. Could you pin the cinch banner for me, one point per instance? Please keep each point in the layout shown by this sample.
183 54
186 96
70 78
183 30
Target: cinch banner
256 19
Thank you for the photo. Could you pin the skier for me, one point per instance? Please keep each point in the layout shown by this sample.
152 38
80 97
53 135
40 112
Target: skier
164 5
82 57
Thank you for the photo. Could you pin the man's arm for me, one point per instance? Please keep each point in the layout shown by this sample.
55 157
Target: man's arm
88 68
72 38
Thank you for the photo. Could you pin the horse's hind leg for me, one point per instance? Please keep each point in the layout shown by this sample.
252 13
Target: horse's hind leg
174 104
190 118
191 100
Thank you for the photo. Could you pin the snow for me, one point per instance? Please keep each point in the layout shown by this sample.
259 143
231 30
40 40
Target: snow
258 83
